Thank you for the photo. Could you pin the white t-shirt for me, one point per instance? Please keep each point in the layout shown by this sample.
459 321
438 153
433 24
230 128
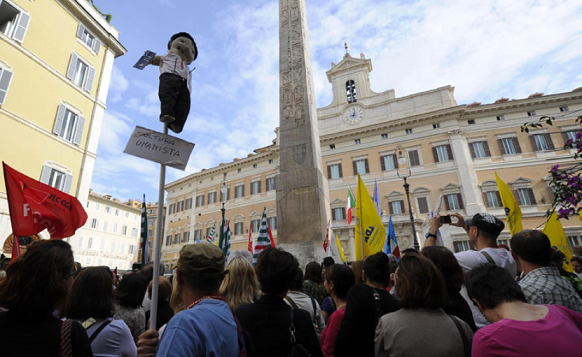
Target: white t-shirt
471 259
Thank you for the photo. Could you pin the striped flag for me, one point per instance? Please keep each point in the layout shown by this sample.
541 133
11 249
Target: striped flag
263 240
224 242
211 234
350 206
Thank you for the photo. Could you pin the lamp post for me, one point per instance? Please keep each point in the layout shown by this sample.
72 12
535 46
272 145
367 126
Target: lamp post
401 162
223 191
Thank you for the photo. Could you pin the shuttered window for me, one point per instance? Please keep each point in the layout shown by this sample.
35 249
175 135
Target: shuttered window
422 204
492 199
56 178
5 79
69 125
239 191
541 142
361 167
479 149
454 202
389 162
88 38
13 21
396 207
442 153
270 183
81 73
334 171
524 196
413 158
255 187
509 146
338 214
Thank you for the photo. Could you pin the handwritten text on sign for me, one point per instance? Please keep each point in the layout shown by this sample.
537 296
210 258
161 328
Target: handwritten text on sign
157 147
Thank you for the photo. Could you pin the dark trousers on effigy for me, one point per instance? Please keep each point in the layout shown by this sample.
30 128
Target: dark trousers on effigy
174 97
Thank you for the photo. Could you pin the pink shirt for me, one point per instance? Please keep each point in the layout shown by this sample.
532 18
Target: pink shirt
557 334
327 338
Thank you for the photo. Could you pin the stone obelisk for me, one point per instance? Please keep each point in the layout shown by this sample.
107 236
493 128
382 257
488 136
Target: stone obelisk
302 190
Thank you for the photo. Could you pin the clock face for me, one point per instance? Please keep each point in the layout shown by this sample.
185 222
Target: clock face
354 115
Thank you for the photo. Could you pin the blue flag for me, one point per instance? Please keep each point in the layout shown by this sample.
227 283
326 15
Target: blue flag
376 199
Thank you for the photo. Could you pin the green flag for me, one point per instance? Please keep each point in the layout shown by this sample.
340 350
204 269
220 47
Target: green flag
263 240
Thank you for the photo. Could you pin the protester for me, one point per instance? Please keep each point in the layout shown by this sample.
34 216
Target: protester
268 321
240 286
327 262
313 283
299 300
558 261
356 334
206 327
518 328
90 302
36 284
452 272
357 268
542 283
176 298
420 327
327 305
128 300
483 230
577 265
165 312
338 279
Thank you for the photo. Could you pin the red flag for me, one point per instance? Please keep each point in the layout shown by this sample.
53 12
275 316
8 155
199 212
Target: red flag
35 206
15 248
250 246
326 241
271 236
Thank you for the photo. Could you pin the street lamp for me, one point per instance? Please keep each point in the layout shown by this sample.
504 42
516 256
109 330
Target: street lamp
401 162
223 191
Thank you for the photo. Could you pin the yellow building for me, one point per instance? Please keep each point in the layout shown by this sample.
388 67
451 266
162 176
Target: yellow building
450 150
56 59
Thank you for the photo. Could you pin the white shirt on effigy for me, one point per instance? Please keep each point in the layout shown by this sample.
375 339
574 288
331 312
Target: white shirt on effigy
173 63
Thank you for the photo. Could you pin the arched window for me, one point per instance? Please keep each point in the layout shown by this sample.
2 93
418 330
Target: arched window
351 91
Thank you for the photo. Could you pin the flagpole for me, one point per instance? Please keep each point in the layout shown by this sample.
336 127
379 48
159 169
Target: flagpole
158 242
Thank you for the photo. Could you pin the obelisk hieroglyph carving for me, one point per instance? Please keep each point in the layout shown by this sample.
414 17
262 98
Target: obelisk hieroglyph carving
302 190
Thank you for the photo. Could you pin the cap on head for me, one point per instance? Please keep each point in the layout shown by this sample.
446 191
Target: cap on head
188 36
487 223
201 260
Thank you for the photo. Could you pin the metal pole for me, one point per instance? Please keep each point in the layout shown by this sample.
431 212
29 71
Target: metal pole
158 243
406 189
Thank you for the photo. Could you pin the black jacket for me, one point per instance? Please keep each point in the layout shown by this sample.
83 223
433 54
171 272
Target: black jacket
268 321
356 334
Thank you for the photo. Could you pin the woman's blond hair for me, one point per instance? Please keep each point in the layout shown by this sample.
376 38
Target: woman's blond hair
240 286
176 298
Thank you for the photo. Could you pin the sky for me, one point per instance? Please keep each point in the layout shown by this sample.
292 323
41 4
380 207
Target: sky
486 49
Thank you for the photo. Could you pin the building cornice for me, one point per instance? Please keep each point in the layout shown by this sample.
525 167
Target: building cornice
96 24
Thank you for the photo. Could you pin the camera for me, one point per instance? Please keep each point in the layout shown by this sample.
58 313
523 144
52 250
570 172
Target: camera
445 219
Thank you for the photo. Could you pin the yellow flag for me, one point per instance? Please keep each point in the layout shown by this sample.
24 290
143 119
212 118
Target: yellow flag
512 210
370 232
558 239
340 249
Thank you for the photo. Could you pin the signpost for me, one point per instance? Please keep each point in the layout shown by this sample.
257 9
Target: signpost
166 150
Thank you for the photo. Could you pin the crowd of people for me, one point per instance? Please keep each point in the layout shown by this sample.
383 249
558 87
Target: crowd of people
491 301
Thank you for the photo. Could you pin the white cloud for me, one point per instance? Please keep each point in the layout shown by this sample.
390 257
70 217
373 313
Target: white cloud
119 84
